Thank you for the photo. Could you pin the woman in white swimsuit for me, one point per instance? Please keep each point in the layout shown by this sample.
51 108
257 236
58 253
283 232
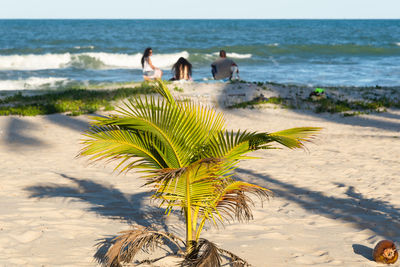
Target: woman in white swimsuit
149 70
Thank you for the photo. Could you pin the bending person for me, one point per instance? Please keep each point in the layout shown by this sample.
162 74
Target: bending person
182 70
223 68
150 72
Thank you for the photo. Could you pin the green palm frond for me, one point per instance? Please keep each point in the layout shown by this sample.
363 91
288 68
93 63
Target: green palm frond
294 137
162 89
182 128
112 143
230 145
196 184
234 145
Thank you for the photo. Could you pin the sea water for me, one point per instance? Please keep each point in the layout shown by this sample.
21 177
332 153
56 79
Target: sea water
52 53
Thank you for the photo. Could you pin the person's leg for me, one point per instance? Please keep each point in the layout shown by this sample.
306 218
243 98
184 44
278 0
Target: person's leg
158 74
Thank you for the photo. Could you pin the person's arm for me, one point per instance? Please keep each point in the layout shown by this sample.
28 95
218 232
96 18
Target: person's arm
151 64
213 70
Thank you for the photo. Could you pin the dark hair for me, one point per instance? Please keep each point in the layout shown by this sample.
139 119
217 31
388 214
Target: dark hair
146 53
222 53
182 62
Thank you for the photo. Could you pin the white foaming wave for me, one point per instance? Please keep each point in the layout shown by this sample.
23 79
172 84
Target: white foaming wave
116 60
398 43
32 83
104 61
34 62
134 61
167 60
84 47
234 55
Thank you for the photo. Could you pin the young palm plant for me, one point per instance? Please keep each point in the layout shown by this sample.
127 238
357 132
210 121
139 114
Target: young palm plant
189 159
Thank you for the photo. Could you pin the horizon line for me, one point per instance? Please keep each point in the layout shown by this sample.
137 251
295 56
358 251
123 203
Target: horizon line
199 18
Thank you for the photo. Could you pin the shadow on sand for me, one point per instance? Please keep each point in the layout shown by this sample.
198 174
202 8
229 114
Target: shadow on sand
378 216
73 123
107 201
17 134
21 133
364 251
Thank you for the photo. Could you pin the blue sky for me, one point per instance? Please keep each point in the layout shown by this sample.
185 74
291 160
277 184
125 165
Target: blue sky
200 9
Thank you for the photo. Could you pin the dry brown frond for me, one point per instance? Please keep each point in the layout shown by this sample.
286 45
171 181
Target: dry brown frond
207 254
204 254
237 204
129 243
236 261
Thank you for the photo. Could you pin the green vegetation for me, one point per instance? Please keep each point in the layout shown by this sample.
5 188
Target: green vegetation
178 89
351 108
330 105
255 102
188 159
75 101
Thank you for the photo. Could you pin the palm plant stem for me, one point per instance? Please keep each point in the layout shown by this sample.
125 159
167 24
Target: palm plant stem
189 223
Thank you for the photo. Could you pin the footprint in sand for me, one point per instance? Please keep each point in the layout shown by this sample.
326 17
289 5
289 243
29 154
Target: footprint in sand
272 235
318 257
18 262
27 237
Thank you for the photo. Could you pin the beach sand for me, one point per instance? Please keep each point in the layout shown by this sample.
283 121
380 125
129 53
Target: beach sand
333 201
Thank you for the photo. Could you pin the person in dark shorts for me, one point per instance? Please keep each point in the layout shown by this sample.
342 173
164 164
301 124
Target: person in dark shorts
223 68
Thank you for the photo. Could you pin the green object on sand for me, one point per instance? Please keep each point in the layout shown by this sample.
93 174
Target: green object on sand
319 90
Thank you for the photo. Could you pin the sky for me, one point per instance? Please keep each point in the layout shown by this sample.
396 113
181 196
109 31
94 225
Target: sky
200 9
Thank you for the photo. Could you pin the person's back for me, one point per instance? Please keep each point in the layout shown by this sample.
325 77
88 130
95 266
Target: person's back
182 70
223 67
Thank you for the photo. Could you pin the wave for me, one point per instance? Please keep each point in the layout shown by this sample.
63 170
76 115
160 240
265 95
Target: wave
33 83
84 47
235 55
249 54
93 60
232 55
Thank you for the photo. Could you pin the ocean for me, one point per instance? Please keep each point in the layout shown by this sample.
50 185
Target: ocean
36 54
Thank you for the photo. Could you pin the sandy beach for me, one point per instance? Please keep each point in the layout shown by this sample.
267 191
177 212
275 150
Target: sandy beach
333 201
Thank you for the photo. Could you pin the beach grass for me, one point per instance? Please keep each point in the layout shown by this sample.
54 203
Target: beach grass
255 102
328 105
349 101
351 108
76 100
73 101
